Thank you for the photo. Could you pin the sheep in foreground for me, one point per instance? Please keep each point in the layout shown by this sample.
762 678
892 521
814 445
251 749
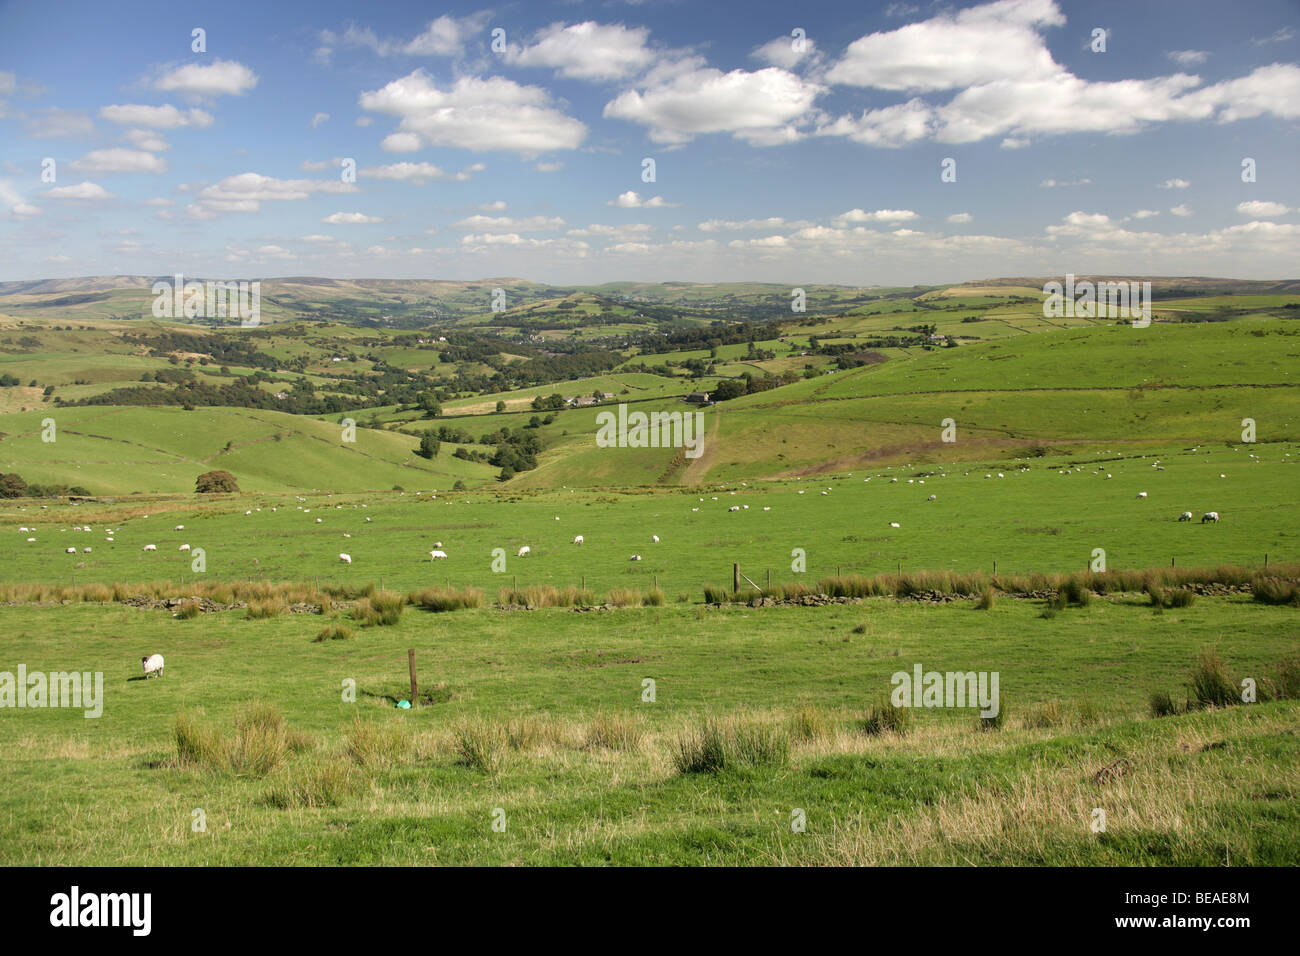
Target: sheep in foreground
523 551
578 540
345 559
153 664
1185 516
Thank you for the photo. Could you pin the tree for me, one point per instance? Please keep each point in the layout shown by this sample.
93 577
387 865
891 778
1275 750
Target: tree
215 483
501 406
12 486
429 445
429 402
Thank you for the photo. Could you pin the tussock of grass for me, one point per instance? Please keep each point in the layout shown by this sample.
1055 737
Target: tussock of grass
261 609
883 717
446 599
810 722
324 784
1044 717
375 745
1276 591
335 632
381 608
726 743
1210 684
986 599
546 596
479 744
615 730
259 744
189 610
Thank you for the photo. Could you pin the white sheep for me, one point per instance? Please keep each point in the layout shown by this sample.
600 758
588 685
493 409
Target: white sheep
345 558
893 524
654 538
523 551
737 507
150 547
933 498
1209 516
1142 494
179 527
31 540
635 557
436 555
153 664
578 540
1185 516
184 547
70 550
85 551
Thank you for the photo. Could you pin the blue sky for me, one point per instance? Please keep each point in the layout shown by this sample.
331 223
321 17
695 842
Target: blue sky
791 142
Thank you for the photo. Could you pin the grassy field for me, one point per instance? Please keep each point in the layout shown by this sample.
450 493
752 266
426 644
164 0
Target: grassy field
539 716
654 723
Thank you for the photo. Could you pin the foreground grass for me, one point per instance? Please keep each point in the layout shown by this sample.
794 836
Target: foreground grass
758 714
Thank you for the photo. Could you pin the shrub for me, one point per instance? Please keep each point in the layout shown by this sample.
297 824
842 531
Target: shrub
215 483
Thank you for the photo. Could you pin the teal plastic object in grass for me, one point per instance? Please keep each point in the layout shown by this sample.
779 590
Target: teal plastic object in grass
403 705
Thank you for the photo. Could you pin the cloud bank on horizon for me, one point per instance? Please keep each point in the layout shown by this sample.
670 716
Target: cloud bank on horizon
903 144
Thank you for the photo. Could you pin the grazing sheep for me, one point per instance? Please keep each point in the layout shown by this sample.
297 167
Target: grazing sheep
1142 494
184 547
179 527
737 507
30 540
436 555
153 664
523 551
654 538
578 540
1209 516
150 547
319 520
894 524
437 544
345 559
635 557
933 498
85 551
70 550
766 508
1185 516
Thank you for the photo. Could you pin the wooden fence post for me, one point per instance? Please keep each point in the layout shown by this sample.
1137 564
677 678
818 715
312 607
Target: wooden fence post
410 660
735 578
